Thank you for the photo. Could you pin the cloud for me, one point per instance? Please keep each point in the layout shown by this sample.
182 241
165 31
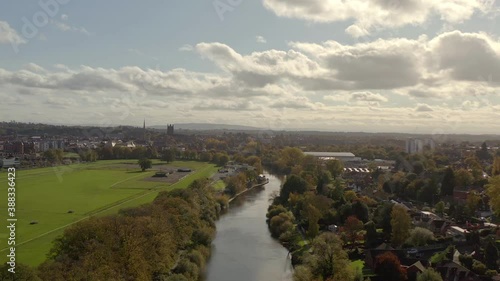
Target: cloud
367 97
8 35
423 108
370 15
64 17
65 27
186 48
392 84
260 39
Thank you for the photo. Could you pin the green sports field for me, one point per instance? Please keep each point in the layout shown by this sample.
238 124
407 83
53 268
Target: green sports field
47 196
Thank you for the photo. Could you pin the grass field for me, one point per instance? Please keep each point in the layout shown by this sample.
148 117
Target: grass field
46 195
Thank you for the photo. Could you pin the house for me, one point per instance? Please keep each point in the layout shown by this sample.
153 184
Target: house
413 270
452 271
457 233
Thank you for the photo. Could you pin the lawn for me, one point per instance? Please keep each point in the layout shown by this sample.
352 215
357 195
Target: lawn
47 196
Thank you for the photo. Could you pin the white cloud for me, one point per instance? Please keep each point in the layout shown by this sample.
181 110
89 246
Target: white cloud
260 39
423 108
8 35
64 17
388 84
186 48
369 15
64 26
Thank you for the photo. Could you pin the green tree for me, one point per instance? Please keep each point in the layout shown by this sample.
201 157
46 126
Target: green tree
420 236
371 234
145 163
472 202
439 208
327 260
448 183
429 275
491 255
463 178
22 273
168 156
335 167
400 225
493 191
495 169
293 184
313 216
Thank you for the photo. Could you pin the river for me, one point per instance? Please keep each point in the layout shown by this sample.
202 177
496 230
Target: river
243 249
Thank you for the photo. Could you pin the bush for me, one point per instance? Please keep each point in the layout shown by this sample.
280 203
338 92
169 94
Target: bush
420 236
479 267
491 273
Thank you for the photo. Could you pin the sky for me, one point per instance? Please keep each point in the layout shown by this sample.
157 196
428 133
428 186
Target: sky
413 66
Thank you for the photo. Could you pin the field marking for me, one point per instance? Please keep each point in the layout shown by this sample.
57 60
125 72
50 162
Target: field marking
125 180
104 210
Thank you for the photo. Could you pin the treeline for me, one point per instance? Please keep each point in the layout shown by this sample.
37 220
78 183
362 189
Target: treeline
168 240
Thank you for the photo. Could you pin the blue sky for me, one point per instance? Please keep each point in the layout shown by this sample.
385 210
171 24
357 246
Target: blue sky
363 65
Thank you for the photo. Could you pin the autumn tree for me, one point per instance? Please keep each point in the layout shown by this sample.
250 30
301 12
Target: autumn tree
351 227
400 225
388 267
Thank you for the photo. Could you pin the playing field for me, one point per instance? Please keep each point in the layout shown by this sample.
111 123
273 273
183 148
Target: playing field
60 196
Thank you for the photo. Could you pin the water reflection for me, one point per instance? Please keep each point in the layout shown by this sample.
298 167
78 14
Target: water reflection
243 248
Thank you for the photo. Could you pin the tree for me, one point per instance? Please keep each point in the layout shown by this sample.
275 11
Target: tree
335 167
483 153
493 191
439 208
472 202
420 236
388 267
352 226
371 234
313 216
361 211
328 260
145 163
400 225
168 155
429 275
383 217
293 184
448 183
491 255
495 169
22 273
463 178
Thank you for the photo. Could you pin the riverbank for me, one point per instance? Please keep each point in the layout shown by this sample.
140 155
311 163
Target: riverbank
246 190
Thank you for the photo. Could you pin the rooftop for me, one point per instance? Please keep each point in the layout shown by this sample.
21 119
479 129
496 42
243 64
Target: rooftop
330 154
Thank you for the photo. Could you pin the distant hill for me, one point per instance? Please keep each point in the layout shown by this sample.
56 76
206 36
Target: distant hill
207 127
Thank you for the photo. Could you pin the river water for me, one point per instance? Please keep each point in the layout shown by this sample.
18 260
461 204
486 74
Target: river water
243 249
